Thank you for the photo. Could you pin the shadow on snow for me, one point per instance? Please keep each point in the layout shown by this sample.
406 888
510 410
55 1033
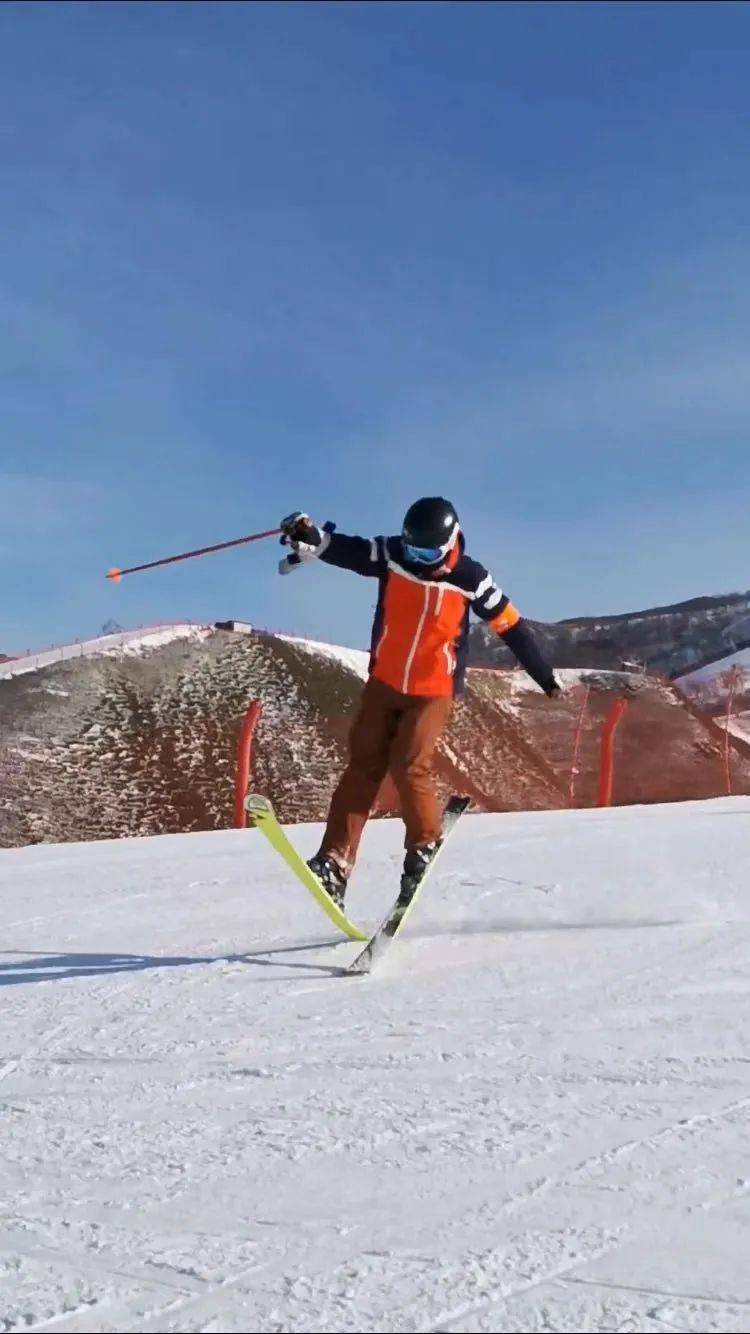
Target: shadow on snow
44 966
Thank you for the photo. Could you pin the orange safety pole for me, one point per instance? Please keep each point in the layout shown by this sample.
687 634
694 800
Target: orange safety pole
577 745
242 776
606 767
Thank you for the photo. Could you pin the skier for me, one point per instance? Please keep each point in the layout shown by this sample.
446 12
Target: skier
427 587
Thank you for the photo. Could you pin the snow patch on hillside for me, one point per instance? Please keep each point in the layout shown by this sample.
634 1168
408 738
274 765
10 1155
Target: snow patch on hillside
711 674
124 643
353 659
570 678
710 686
738 726
148 640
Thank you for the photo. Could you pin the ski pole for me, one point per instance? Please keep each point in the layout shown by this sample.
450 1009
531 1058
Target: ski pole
116 575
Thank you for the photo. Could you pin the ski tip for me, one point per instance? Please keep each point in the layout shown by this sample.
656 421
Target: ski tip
256 805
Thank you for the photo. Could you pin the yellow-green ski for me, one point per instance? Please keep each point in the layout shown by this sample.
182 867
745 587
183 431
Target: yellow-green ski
378 944
261 814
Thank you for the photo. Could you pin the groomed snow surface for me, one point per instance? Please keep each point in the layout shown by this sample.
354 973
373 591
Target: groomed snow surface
536 1116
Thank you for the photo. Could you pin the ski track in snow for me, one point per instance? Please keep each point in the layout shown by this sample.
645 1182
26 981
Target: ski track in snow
534 1116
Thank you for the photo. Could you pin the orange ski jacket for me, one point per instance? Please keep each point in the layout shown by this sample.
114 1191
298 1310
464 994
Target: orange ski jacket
421 627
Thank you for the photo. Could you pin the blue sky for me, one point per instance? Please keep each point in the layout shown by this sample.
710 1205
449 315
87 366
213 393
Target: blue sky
336 256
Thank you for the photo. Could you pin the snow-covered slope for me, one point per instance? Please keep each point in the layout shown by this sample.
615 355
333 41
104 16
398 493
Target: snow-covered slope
352 659
711 686
535 1117
711 673
121 644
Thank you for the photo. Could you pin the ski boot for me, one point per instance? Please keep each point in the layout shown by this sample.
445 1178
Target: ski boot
416 862
330 875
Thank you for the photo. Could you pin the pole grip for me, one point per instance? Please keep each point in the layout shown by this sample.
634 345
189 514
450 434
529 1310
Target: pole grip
294 560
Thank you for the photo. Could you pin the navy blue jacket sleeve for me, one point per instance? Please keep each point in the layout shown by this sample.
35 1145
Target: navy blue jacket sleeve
523 645
362 555
494 607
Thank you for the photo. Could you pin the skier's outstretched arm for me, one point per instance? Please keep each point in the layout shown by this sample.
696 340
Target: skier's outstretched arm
495 608
309 541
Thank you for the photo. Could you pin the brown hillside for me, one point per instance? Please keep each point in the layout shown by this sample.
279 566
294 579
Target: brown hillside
141 743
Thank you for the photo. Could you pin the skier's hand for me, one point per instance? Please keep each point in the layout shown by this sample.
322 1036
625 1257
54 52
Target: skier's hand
299 532
306 539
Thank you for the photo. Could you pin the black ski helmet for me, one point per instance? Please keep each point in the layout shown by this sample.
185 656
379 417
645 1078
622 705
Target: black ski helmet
430 522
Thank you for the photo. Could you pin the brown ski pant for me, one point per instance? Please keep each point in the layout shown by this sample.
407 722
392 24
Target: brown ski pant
391 732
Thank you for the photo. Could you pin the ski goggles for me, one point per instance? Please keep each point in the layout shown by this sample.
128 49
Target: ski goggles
429 555
424 555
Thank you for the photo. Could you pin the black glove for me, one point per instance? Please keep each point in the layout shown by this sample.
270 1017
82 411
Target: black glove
298 530
553 690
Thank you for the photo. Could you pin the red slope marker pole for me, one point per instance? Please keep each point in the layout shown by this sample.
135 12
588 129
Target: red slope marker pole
606 769
242 773
116 575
